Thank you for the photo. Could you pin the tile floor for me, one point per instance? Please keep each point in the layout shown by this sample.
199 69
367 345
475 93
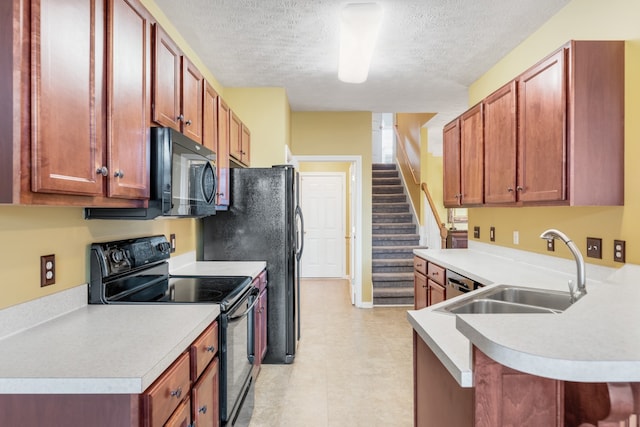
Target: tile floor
353 366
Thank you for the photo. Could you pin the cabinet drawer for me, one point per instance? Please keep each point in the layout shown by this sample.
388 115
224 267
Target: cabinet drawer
420 265
167 392
203 349
262 277
435 273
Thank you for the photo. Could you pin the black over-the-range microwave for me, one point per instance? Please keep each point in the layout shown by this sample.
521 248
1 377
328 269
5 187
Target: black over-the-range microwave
182 179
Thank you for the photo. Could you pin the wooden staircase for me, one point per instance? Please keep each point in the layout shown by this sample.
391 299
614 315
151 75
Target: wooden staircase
394 237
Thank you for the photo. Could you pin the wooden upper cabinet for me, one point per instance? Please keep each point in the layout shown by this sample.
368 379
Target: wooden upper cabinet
542 157
166 80
235 137
67 94
245 141
500 139
451 164
210 118
472 156
191 100
222 158
178 88
128 99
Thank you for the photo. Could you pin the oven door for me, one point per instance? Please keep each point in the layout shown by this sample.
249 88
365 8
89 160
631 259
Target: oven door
236 349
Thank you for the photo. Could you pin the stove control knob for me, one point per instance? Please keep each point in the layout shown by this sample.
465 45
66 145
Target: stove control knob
163 247
117 255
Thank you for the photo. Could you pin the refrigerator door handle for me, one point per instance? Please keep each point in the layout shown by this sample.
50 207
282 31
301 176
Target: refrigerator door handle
300 232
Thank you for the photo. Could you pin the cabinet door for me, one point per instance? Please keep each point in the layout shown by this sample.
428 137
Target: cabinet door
245 143
67 87
451 164
166 80
472 156
128 99
167 392
222 162
191 100
542 123
436 292
500 137
210 118
235 137
181 417
262 313
420 291
204 396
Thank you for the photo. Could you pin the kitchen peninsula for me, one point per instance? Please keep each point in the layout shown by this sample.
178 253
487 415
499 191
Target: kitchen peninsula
583 348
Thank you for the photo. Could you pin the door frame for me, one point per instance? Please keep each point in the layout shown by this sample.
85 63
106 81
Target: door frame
356 218
343 214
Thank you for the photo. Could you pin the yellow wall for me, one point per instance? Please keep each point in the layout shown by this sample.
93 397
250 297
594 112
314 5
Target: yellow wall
266 112
580 19
342 167
346 134
29 232
431 173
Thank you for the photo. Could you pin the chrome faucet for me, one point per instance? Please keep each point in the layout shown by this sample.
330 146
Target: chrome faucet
581 279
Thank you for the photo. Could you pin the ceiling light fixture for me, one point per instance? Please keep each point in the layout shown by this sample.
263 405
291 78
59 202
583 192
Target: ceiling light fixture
359 27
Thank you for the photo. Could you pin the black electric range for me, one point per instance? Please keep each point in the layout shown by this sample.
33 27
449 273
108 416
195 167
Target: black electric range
136 271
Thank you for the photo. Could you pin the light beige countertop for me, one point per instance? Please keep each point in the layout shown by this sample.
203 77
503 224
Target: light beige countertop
60 344
595 340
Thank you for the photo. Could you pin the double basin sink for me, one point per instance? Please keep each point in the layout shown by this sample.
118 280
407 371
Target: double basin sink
504 299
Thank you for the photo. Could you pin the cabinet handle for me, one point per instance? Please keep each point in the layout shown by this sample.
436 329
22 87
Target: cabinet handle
118 174
419 265
219 194
176 393
203 409
519 188
435 273
102 171
188 123
180 117
210 349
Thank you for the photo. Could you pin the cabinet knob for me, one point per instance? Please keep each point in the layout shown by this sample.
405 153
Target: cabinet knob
188 123
210 349
118 174
219 194
180 117
519 188
203 409
510 190
176 393
102 171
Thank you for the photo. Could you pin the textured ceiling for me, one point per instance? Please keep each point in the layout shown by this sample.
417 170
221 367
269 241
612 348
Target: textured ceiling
428 51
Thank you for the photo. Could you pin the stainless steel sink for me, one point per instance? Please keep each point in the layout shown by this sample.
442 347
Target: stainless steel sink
511 299
488 306
554 300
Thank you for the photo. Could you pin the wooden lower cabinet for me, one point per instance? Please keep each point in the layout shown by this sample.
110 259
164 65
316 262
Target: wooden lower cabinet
438 398
186 392
503 397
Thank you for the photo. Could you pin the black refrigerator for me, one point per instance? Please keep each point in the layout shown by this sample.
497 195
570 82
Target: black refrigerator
264 223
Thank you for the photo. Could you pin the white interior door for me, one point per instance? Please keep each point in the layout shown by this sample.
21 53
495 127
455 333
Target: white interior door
322 199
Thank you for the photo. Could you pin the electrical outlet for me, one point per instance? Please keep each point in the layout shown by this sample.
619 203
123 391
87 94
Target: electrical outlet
551 245
476 232
594 247
47 270
619 250
172 240
492 234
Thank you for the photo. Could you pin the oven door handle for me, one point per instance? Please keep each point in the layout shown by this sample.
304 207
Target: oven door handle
240 316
